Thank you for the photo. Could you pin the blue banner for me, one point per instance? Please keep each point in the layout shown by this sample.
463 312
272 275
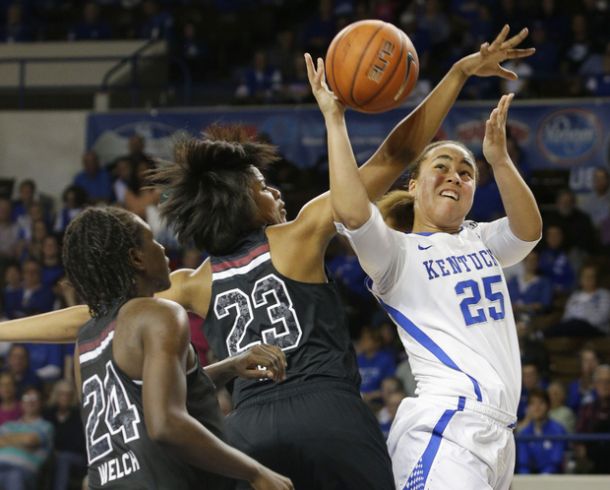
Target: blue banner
573 136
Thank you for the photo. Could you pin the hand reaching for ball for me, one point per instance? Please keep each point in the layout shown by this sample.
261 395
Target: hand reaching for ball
327 101
486 63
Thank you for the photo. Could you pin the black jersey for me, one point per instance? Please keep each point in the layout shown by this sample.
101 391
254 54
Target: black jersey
253 303
120 454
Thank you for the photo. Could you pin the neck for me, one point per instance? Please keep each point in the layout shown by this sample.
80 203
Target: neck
422 225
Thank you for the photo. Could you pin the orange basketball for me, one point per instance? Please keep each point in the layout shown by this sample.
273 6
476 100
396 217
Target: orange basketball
371 66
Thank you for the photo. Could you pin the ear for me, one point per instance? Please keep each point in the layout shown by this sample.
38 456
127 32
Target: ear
137 259
411 186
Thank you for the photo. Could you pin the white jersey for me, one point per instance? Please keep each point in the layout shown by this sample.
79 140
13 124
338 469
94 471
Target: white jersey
448 297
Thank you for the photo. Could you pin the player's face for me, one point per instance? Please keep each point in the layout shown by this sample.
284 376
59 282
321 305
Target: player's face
270 207
155 262
444 189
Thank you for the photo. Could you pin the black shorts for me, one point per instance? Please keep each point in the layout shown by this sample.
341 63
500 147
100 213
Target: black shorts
319 433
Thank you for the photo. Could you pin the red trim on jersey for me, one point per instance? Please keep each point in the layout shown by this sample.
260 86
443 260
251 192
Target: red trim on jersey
95 343
245 260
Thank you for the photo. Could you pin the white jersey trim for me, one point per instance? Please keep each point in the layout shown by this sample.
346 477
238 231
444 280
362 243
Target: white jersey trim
242 270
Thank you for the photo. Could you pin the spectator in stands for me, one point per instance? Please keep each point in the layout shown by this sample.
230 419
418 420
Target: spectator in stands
487 204
544 455
577 226
25 223
92 27
94 180
597 202
10 407
554 262
530 379
546 58
13 291
587 312
392 393
124 179
15 29
27 196
581 390
52 270
18 365
598 84
579 45
69 441
261 82
521 86
594 417
136 153
559 412
556 22
74 199
9 233
139 198
32 248
374 363
319 31
531 294
25 444
158 24
36 298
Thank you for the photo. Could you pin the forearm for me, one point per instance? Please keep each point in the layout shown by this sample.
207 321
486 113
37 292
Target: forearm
348 195
59 326
202 449
221 372
518 200
411 135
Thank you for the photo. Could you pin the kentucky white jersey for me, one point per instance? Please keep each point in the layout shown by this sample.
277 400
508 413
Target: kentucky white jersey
448 297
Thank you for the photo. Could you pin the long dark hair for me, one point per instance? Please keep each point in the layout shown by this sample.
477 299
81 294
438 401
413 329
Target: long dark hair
96 256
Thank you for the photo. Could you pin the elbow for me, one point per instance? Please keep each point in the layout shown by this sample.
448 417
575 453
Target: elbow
353 222
162 428
352 219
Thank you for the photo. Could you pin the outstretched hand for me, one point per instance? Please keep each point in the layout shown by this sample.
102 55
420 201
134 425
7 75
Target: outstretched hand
486 63
327 100
261 361
494 143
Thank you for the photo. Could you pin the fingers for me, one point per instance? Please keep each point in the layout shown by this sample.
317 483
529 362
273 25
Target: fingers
311 72
520 53
497 42
270 357
516 39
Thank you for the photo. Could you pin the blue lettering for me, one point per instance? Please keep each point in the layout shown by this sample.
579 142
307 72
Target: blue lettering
462 259
476 261
486 261
441 264
454 264
432 274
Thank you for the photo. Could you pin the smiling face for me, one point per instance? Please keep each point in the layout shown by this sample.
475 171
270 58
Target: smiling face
443 189
271 209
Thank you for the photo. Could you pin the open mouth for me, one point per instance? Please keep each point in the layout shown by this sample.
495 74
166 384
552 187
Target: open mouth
451 195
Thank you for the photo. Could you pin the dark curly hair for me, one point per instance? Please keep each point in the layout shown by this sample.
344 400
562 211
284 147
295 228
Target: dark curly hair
96 257
206 192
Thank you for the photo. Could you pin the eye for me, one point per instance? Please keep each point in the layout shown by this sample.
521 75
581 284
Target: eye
441 166
466 174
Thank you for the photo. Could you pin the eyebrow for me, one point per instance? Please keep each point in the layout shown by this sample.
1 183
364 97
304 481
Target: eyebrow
449 157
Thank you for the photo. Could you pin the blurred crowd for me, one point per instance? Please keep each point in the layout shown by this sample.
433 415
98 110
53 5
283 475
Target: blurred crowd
560 293
262 60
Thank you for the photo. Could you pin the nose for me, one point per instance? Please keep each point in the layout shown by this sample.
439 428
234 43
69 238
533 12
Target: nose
276 192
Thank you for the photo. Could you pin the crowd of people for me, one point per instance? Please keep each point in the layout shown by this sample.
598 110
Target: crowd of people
263 61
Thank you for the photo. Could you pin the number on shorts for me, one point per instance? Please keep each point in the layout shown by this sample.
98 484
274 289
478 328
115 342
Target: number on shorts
469 305
109 400
269 291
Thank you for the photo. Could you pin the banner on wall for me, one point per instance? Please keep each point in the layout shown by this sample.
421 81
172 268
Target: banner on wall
573 136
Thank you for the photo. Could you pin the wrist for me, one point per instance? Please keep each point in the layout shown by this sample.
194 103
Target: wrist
334 117
254 472
460 69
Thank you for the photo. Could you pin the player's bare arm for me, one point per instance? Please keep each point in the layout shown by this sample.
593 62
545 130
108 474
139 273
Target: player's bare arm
164 335
414 132
519 202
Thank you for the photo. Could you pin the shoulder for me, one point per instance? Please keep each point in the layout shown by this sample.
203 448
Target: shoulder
152 313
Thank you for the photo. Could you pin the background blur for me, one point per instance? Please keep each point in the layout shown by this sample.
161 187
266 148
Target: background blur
93 93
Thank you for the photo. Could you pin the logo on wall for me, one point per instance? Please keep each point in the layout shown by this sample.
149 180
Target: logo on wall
569 136
159 138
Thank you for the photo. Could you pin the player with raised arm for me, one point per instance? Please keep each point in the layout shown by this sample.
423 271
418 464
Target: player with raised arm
265 283
443 286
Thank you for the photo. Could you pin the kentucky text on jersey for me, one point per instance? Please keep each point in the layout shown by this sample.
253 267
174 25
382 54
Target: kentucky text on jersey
118 467
458 264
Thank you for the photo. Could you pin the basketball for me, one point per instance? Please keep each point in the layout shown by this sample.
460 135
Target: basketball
371 66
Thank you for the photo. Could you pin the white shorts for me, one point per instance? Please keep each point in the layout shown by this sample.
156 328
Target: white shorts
440 444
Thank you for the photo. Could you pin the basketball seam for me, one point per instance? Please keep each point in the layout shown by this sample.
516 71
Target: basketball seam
355 77
403 49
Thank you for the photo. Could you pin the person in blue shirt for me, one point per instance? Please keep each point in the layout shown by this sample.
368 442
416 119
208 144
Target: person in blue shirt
531 294
95 181
91 27
581 390
554 261
374 363
544 455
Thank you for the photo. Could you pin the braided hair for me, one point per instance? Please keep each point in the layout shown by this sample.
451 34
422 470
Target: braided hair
96 257
206 192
